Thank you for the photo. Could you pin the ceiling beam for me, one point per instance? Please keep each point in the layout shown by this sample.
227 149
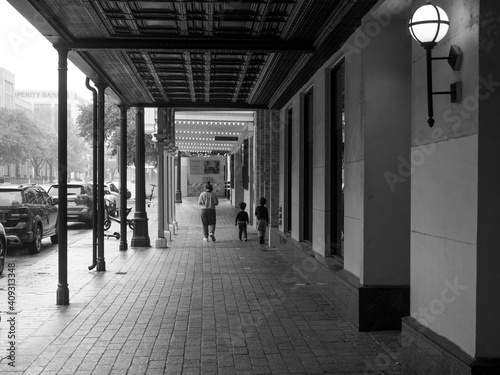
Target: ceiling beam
229 45
212 105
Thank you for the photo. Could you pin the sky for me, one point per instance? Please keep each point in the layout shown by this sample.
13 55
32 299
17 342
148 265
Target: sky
31 57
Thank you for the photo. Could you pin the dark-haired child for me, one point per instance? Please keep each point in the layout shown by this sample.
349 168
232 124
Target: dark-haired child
242 220
262 219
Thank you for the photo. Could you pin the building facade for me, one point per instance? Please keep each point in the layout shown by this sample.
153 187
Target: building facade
404 215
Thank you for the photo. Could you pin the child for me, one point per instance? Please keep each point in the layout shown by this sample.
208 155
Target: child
262 219
242 220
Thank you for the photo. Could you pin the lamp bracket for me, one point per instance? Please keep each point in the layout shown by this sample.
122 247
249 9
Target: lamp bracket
455 92
454 58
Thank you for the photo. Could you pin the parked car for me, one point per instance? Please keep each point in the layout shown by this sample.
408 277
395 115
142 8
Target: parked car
80 202
28 215
3 248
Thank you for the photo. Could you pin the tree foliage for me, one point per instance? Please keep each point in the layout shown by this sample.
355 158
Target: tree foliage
77 151
112 131
23 139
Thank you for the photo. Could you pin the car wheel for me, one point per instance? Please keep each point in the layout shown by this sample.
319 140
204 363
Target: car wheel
3 251
107 224
35 246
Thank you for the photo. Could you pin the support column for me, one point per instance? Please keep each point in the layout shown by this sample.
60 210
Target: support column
171 169
161 242
123 177
141 234
161 136
171 188
262 154
62 151
101 264
178 193
453 326
167 202
238 183
274 169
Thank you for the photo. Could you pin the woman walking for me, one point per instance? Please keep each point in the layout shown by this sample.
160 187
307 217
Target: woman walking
208 200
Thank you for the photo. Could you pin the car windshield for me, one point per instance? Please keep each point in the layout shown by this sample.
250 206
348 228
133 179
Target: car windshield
72 190
10 198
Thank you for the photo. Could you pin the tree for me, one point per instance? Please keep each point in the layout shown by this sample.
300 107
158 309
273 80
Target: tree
112 131
77 151
46 150
22 139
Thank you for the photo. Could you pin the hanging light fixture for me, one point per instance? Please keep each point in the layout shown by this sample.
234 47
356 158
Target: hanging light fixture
428 26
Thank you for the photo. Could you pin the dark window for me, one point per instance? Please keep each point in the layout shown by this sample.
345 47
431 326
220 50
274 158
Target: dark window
308 165
40 199
232 171
288 162
337 160
113 188
30 196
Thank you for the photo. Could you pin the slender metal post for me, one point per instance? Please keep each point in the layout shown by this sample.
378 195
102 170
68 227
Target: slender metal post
430 105
101 264
141 234
62 151
123 177
178 193
94 173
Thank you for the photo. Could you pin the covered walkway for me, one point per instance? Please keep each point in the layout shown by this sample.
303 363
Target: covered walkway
224 307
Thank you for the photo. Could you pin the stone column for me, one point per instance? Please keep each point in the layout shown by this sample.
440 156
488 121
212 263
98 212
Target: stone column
161 242
123 177
161 136
262 141
274 168
141 233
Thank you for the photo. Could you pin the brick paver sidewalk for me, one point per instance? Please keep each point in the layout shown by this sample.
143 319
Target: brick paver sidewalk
224 307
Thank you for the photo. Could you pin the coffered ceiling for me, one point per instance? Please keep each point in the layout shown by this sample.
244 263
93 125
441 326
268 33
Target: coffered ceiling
212 54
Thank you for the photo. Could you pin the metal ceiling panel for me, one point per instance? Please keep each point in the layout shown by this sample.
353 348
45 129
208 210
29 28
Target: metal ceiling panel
206 53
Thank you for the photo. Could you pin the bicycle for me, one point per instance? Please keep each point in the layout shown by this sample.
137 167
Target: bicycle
151 195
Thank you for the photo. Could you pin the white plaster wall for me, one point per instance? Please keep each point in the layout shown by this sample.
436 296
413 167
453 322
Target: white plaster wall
444 189
443 239
353 217
354 166
321 168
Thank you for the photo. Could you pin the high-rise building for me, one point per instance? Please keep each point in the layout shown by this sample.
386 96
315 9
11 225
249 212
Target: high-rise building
45 104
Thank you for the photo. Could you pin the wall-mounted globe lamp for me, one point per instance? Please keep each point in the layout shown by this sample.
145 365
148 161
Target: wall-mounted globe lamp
428 25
